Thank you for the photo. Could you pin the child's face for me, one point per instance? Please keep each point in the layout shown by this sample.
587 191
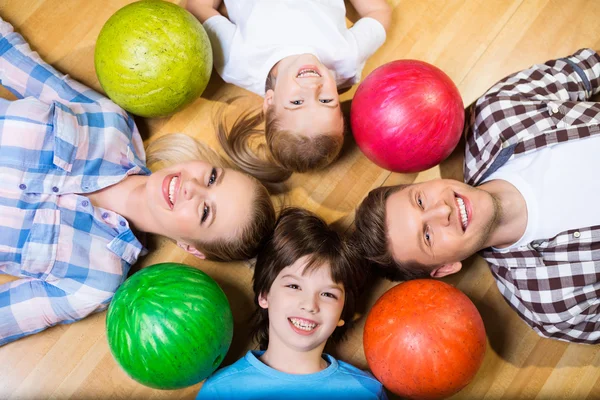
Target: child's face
305 97
304 307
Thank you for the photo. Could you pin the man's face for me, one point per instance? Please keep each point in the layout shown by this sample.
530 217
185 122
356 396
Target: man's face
439 222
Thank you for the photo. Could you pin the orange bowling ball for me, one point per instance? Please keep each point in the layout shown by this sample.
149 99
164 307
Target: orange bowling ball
424 339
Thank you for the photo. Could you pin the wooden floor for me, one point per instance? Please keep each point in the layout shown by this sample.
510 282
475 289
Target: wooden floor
476 42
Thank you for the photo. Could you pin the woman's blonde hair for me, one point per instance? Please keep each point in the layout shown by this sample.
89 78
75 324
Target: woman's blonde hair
176 148
288 151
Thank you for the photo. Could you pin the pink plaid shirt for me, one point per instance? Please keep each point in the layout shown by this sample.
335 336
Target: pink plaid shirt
59 140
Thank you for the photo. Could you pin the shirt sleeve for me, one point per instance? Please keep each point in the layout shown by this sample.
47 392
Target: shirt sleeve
25 74
573 78
29 305
220 31
208 391
369 35
382 394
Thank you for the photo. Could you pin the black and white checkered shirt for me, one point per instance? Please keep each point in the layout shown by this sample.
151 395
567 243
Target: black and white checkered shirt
553 284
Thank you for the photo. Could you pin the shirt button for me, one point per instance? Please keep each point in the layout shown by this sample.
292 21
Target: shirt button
122 223
55 189
576 234
554 110
536 245
104 215
85 203
505 144
22 186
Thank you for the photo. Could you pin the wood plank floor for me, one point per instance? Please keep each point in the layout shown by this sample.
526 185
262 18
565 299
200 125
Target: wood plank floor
476 42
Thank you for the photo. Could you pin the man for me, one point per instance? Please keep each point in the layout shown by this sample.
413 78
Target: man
529 205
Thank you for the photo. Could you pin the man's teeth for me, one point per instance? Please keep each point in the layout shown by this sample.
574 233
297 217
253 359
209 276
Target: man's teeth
172 189
463 211
308 72
302 324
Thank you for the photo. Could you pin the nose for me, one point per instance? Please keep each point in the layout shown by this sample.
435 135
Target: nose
310 83
191 188
309 303
439 213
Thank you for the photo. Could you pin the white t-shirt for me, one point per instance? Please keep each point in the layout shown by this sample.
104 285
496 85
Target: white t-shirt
561 187
259 33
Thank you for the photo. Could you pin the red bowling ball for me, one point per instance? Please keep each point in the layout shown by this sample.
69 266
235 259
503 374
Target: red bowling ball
424 339
407 116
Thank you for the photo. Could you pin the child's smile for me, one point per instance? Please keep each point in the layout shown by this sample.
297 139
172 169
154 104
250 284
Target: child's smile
304 306
303 326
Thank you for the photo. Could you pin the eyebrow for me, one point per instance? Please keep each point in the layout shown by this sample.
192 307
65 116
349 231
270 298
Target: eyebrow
221 175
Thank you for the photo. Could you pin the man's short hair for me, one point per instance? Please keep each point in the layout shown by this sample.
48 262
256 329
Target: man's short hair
371 240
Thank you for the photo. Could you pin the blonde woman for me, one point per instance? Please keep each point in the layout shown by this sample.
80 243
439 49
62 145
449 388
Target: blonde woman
75 190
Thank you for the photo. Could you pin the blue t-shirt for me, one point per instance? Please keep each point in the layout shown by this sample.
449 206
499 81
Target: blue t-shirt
249 378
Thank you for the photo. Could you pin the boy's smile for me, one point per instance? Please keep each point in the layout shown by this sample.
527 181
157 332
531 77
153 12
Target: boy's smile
305 307
303 326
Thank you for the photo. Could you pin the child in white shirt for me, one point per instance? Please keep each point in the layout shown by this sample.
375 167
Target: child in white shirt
297 55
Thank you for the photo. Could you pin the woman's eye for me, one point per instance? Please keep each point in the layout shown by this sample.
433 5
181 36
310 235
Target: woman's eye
427 237
293 286
330 295
205 213
325 101
297 102
213 176
420 202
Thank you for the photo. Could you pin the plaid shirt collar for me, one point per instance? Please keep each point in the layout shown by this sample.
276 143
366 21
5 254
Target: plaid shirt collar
553 284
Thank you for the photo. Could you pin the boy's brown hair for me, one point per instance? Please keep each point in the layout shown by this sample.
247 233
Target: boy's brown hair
300 233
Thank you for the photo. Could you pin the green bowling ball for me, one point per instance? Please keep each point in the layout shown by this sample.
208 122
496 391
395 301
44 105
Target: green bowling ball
153 58
169 326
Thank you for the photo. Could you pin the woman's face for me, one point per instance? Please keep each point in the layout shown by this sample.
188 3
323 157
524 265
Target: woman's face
195 201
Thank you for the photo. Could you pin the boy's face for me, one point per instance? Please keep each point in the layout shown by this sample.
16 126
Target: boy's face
305 97
304 307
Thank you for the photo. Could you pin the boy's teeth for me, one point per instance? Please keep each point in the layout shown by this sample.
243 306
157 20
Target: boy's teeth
463 211
172 189
301 324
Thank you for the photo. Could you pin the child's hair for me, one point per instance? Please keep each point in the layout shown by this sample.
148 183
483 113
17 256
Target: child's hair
300 233
288 151
176 148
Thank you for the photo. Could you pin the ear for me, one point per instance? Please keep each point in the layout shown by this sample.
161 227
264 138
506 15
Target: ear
341 322
446 269
192 250
262 301
268 101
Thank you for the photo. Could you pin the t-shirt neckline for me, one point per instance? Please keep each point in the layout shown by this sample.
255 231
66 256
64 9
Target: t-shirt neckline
253 355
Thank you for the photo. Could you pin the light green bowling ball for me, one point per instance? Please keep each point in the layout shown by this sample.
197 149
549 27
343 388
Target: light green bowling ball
153 58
